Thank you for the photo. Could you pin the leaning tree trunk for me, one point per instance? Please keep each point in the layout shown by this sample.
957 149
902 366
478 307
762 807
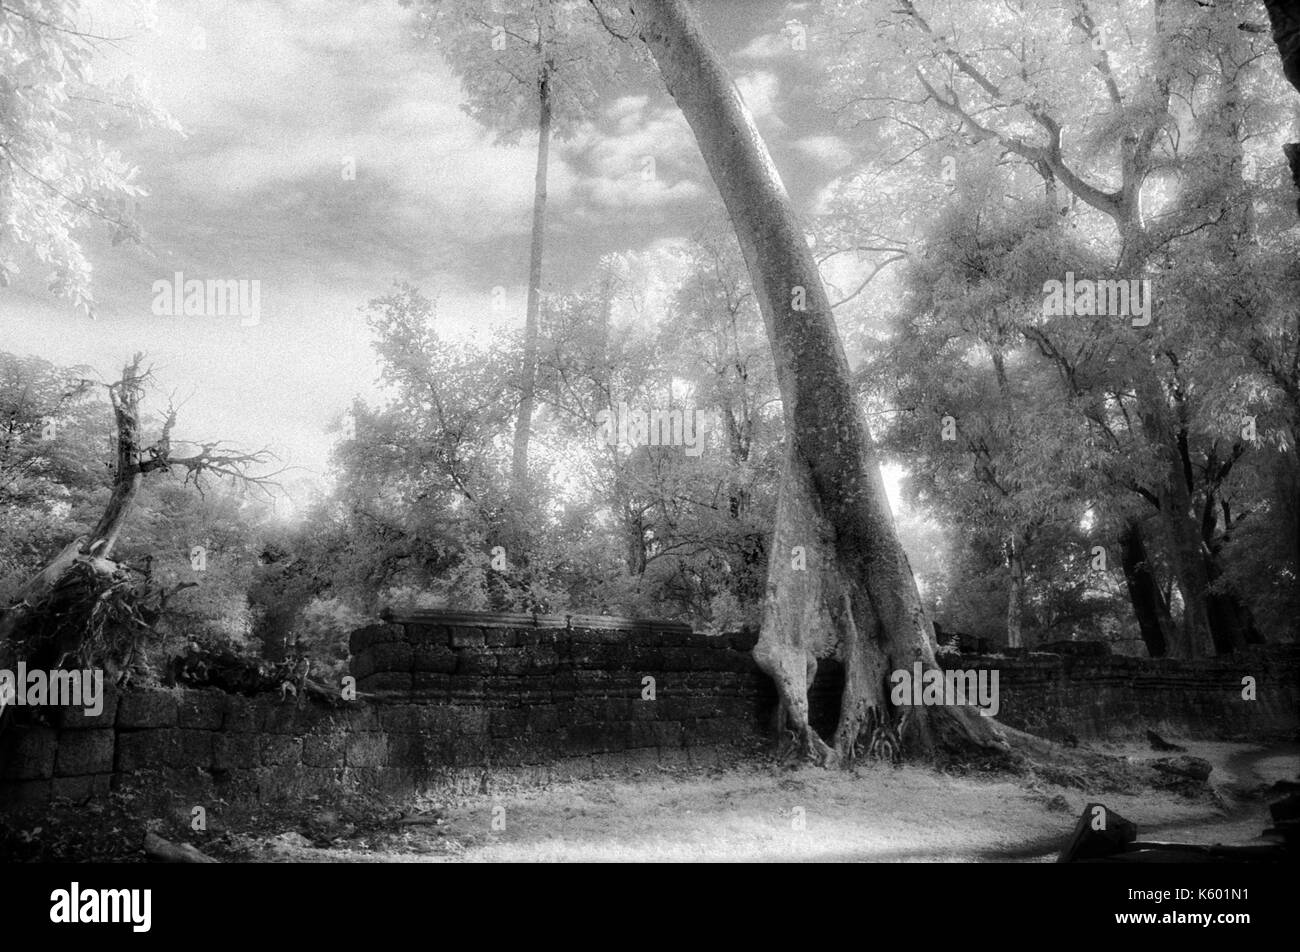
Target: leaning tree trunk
125 397
1150 607
532 311
129 473
851 589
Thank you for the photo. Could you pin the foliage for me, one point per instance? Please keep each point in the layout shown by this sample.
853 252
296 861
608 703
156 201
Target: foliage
502 51
57 175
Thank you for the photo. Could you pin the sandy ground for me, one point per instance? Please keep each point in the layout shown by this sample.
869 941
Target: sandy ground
763 813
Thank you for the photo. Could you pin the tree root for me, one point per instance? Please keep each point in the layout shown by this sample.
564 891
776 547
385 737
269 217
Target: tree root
948 741
799 741
883 740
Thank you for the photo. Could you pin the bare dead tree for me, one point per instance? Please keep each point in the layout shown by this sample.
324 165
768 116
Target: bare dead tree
86 559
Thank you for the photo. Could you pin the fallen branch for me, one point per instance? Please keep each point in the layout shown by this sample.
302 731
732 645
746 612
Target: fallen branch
163 851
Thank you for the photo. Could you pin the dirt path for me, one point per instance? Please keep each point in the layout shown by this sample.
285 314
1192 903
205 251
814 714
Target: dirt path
1241 771
757 813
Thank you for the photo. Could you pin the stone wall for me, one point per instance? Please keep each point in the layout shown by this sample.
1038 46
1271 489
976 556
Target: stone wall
1116 696
440 701
445 697
204 743
564 686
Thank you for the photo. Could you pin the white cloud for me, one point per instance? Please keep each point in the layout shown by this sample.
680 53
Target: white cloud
766 47
649 160
829 150
280 93
759 90
631 192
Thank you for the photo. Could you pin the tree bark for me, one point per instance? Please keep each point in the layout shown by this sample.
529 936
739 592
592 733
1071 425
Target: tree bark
1149 604
129 473
633 529
1181 526
856 596
1232 623
528 372
1189 563
1015 593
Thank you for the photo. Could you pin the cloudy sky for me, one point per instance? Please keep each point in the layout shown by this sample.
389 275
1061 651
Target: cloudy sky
275 96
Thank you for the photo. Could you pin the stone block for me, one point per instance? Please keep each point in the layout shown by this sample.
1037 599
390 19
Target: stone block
353 716
678 659
514 662
201 710
324 749
85 752
543 661
467 690
147 707
231 752
146 750
366 750
500 637
193 749
388 682
507 723
668 733
467 637
429 684
476 664
400 718
364 638
393 656
81 789
242 715
76 718
552 636
435 658
27 753
422 634
279 750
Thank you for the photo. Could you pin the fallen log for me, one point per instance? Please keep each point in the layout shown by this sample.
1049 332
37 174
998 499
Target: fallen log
162 851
